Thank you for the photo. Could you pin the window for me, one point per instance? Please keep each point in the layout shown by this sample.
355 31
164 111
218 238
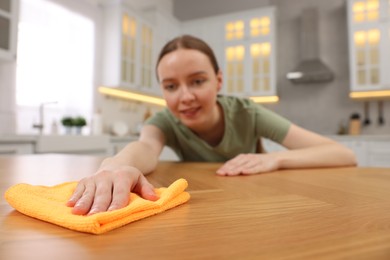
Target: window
55 63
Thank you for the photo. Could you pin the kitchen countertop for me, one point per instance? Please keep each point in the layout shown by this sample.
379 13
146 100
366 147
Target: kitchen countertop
32 138
333 213
361 137
6 139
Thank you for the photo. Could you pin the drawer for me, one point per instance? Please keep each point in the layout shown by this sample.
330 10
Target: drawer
9 149
377 146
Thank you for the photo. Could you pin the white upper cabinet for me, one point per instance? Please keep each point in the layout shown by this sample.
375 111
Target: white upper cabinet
369 44
245 47
131 45
9 10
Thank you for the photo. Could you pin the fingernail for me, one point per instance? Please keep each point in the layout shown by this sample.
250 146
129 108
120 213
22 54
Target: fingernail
111 208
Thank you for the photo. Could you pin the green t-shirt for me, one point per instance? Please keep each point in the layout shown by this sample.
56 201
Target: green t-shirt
245 123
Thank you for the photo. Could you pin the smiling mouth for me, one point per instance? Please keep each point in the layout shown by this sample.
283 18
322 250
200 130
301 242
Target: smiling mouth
190 112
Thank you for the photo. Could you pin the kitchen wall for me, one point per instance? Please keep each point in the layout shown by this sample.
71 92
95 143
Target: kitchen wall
319 107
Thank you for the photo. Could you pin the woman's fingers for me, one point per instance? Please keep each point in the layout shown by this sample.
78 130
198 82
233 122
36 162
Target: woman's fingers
248 164
102 198
120 194
83 205
77 193
234 166
145 189
109 190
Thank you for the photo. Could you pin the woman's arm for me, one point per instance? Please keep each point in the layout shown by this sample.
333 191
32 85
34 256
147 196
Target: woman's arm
109 188
306 150
150 143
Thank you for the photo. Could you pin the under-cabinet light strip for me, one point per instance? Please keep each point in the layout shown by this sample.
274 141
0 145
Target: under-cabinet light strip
265 99
120 93
115 92
370 94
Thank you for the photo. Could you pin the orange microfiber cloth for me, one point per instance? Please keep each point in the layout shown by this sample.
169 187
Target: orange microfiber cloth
49 204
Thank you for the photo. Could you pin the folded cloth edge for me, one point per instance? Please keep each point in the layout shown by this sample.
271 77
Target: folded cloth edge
99 223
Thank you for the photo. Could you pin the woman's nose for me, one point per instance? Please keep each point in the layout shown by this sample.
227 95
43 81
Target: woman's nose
186 94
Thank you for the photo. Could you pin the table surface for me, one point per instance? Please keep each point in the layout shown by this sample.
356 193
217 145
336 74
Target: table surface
334 213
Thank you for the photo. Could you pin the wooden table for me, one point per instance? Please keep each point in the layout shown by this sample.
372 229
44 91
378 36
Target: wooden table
295 214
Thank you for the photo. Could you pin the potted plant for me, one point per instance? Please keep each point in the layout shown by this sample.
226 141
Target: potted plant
67 122
79 122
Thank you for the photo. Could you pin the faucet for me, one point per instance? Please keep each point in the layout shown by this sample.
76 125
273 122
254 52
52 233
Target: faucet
40 125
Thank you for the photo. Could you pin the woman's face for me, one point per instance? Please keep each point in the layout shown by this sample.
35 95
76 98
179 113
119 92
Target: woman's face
190 87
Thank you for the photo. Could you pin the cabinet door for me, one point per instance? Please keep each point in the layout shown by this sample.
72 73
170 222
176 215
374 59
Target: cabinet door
369 44
244 44
359 147
250 54
12 149
378 154
8 28
129 54
367 59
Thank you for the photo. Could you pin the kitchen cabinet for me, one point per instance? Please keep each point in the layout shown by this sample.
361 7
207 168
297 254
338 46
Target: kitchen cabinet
359 147
128 49
244 44
378 154
118 143
73 144
11 145
9 10
131 46
16 148
370 151
369 44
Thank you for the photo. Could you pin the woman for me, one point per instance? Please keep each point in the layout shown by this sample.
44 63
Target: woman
202 126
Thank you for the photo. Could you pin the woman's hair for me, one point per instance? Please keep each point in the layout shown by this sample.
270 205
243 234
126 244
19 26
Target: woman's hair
191 43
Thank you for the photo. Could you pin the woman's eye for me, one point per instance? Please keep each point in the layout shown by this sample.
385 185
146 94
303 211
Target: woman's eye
198 82
170 87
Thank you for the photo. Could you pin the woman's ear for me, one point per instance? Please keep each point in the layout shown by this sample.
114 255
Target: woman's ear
219 80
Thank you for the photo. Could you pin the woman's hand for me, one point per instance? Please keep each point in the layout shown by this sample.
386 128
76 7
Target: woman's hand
109 190
249 164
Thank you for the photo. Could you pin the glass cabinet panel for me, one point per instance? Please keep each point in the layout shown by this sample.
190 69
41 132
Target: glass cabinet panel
260 56
146 56
365 10
234 56
367 57
234 30
129 32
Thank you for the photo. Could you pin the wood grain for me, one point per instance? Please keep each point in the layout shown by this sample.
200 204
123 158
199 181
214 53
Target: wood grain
335 213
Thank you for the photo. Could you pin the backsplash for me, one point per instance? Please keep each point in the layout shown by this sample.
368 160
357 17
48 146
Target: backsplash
129 112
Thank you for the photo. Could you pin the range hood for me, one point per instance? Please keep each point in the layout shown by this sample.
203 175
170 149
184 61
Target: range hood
311 69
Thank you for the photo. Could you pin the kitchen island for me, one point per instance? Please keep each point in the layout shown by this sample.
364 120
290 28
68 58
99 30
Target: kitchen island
335 213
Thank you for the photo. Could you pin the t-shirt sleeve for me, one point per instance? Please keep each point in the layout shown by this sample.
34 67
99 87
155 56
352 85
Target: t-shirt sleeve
162 121
270 125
